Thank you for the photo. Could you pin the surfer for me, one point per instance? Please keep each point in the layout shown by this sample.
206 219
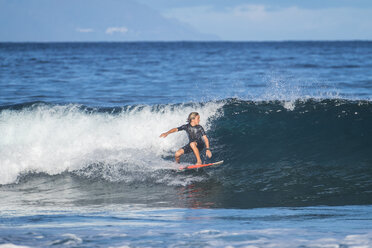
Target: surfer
195 133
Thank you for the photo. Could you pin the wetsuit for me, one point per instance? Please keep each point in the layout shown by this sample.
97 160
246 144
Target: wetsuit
195 133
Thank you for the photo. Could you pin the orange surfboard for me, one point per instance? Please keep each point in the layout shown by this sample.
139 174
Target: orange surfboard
197 166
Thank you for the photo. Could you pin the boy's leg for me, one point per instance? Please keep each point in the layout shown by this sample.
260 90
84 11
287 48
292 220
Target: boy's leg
178 154
195 149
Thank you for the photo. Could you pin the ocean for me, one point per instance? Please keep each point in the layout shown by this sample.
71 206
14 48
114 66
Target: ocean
82 164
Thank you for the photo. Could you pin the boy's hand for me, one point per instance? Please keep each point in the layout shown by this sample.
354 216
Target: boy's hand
208 153
163 135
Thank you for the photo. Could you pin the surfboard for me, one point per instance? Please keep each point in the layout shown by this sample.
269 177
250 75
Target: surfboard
197 166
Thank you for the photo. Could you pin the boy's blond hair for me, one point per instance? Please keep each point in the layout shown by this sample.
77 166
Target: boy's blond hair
192 116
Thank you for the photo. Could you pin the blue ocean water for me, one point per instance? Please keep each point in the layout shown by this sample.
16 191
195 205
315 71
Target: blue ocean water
82 164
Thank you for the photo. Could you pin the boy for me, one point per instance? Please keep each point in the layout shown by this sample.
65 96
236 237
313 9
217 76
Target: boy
195 133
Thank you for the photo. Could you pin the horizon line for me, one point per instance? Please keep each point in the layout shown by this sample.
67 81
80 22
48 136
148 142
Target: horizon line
195 41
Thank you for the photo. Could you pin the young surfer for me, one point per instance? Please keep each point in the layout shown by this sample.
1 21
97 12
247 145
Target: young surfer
195 133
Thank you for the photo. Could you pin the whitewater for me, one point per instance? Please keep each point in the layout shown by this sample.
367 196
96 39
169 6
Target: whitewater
54 139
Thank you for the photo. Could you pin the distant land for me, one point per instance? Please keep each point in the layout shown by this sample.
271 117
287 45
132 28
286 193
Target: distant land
89 20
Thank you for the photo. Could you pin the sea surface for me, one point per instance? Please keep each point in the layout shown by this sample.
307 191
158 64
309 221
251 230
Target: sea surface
82 164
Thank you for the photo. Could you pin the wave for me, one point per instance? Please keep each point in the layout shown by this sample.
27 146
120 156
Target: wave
52 139
323 131
316 150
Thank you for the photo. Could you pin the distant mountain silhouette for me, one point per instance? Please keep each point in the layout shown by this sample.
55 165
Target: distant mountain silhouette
89 20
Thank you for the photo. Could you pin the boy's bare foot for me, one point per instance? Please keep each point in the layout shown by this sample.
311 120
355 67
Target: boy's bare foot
198 162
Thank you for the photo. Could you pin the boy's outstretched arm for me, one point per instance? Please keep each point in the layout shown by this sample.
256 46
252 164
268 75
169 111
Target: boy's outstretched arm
173 130
208 152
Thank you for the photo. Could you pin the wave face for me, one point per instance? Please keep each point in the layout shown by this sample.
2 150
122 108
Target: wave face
276 153
304 152
325 132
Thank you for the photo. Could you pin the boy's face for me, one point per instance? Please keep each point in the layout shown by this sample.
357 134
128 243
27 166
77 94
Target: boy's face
196 120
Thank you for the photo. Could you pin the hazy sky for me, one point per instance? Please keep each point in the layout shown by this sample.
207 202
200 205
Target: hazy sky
236 20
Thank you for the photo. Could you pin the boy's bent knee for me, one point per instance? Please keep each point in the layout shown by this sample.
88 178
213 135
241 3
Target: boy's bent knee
179 153
193 144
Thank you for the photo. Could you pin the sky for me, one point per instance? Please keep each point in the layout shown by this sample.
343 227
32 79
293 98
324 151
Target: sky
174 20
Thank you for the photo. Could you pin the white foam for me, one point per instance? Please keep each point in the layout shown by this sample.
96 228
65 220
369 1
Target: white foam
54 139
12 246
